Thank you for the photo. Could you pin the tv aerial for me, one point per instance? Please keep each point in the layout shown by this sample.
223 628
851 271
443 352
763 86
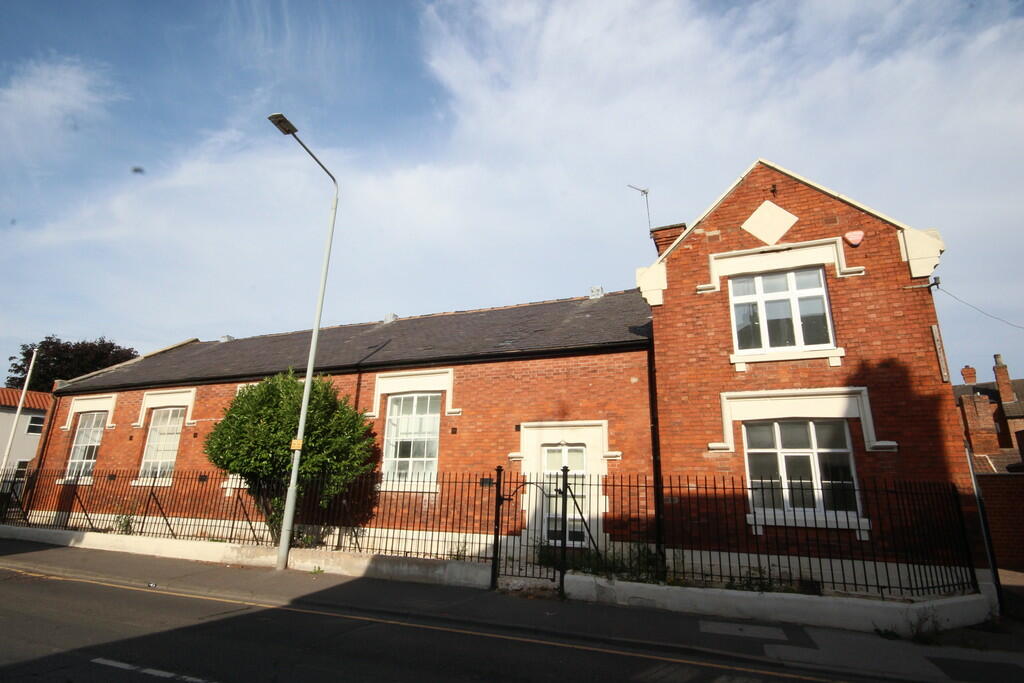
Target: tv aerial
643 191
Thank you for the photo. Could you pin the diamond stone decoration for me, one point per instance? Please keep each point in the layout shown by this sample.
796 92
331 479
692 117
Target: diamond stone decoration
769 222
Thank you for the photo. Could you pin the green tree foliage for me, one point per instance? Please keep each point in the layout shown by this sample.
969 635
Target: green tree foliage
59 359
254 441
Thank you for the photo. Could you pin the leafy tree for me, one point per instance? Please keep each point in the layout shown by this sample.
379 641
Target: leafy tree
254 441
59 359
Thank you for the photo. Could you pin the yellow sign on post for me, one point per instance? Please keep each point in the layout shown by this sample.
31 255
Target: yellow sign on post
296 444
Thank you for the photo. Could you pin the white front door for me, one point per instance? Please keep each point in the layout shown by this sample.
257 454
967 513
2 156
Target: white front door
555 457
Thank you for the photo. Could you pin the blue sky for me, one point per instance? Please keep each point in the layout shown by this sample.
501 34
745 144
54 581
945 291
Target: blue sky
483 151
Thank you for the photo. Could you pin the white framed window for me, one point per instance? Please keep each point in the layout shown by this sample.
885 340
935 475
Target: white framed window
782 311
244 385
411 436
800 466
162 443
83 449
35 424
555 458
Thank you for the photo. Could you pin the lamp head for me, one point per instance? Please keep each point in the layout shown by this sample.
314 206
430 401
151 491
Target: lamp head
283 124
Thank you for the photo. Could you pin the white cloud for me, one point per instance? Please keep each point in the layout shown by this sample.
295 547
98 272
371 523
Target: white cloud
45 103
316 46
913 109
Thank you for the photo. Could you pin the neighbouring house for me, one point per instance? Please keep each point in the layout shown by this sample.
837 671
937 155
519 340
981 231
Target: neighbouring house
785 341
993 418
993 421
28 428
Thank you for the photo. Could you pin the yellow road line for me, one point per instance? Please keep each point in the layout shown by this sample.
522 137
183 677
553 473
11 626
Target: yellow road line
428 627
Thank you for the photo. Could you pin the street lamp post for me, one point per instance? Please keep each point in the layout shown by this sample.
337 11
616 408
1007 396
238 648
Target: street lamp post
288 520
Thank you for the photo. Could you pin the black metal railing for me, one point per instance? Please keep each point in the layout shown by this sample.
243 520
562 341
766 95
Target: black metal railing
888 539
447 516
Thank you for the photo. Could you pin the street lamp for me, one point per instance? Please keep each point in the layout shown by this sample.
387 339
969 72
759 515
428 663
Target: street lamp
288 520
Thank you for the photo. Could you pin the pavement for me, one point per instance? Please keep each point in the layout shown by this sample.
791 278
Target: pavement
989 652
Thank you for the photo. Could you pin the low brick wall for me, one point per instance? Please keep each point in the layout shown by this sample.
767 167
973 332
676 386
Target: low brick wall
1004 502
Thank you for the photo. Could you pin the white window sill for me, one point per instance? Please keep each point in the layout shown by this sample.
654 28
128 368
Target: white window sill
421 486
813 519
740 360
152 481
72 481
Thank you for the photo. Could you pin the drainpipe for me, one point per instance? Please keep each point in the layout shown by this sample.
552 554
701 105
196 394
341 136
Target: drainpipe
659 492
51 415
986 534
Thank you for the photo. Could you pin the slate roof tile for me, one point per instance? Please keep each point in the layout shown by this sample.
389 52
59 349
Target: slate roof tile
617 319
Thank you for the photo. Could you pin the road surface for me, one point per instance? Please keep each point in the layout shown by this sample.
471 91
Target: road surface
55 629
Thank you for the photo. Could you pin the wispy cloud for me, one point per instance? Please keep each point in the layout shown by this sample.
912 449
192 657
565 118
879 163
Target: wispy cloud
913 108
45 103
552 108
316 47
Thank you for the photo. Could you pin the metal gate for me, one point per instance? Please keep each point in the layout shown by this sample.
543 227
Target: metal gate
537 518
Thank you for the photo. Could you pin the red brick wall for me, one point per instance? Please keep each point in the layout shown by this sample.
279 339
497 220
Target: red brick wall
1003 494
980 425
1014 434
884 328
1002 374
494 398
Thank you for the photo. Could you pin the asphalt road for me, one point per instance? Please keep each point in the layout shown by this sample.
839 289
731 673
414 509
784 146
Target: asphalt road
72 630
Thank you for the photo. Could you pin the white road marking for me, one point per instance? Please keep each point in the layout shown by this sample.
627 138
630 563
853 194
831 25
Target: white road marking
667 673
116 665
158 673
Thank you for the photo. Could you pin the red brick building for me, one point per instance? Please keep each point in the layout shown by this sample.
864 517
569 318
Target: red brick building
993 418
492 380
788 337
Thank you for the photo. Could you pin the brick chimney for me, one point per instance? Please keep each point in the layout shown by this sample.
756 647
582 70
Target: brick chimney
981 428
665 235
1002 374
969 374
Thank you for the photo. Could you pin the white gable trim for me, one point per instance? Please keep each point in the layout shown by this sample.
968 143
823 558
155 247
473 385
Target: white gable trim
91 404
415 380
778 257
690 226
920 251
835 402
652 281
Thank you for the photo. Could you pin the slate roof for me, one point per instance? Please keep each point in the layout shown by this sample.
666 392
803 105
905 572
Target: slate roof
1015 409
615 320
34 400
991 390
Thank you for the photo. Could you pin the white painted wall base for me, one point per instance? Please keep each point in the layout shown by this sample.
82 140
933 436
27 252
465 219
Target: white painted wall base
442 544
857 614
448 572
